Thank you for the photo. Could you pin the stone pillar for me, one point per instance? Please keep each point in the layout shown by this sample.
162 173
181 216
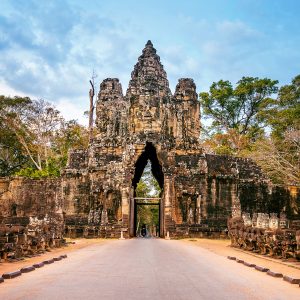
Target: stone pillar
235 202
169 194
125 207
213 191
198 209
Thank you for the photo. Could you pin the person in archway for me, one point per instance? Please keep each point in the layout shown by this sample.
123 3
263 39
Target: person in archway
144 230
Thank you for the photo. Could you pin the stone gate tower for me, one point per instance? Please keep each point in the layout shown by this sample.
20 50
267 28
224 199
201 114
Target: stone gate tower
199 191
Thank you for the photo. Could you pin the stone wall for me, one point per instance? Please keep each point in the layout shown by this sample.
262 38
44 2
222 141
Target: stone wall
267 234
21 197
31 216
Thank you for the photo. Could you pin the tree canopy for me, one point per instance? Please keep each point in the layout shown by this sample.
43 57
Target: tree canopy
279 153
238 108
257 120
35 138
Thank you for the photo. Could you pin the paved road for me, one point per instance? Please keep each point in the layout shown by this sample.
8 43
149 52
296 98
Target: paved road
146 269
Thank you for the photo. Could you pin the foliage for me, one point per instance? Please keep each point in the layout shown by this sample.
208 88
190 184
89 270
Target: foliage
238 108
279 158
148 185
228 143
51 170
142 189
12 156
236 112
35 139
240 117
278 154
284 114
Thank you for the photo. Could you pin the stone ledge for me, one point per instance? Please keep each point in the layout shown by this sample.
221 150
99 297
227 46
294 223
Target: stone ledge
48 261
11 275
291 280
231 257
274 274
261 269
288 264
249 264
38 265
27 269
57 258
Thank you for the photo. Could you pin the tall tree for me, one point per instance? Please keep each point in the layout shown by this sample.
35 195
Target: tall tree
35 138
238 108
278 153
34 128
12 156
235 112
92 105
71 135
284 112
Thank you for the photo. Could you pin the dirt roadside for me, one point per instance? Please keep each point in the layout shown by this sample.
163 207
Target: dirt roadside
79 244
222 247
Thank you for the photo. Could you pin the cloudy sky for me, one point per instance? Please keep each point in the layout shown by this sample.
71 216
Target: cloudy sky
48 49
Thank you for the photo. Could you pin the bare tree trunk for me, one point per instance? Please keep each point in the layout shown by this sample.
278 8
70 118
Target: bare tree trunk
23 142
91 111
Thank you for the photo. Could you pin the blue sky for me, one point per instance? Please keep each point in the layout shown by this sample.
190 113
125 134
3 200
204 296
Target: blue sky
48 49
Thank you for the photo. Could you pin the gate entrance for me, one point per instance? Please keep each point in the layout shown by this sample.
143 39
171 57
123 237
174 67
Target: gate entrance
147 217
146 206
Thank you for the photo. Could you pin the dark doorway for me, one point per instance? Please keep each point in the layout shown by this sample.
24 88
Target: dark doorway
148 183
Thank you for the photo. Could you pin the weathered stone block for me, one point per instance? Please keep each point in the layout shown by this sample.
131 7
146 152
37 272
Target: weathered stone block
11 275
274 274
27 269
261 269
249 264
231 257
38 265
291 280
57 258
48 261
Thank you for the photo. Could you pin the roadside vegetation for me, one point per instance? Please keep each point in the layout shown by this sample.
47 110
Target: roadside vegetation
257 120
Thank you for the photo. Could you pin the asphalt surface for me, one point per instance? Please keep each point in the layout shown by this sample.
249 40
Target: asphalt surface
146 269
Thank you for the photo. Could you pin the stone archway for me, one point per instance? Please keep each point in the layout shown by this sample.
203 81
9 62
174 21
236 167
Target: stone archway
149 153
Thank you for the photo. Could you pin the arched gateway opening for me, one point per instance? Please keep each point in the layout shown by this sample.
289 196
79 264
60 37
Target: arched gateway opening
142 204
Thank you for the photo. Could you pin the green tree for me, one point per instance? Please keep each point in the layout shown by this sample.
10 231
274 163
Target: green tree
70 135
12 156
284 112
236 112
35 138
278 153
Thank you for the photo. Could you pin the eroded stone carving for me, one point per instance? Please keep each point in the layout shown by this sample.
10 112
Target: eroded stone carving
265 238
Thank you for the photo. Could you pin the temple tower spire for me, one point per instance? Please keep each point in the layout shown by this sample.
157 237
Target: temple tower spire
148 76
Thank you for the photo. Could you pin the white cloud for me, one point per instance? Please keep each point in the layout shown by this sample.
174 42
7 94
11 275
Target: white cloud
50 52
71 110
